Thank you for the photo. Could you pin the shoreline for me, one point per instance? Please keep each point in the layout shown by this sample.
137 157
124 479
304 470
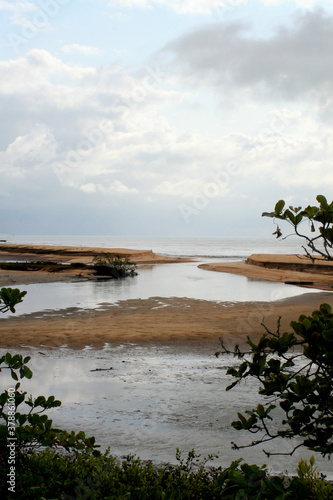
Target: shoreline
284 268
68 255
170 321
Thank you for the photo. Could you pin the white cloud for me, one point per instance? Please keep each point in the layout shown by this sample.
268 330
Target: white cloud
24 13
191 188
30 151
207 6
17 6
114 187
183 6
299 3
100 134
75 48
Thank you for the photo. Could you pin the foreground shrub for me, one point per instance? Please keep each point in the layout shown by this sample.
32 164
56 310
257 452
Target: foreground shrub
303 392
50 475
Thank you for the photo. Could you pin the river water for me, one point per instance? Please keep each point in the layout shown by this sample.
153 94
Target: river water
167 280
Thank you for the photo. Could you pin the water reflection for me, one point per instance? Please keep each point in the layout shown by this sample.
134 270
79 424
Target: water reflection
168 280
153 400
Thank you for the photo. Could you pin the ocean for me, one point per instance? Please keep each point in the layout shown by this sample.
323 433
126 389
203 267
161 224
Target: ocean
201 248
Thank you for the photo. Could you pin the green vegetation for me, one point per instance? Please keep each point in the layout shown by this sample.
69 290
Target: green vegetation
49 266
303 391
9 298
109 265
114 266
320 222
54 476
39 461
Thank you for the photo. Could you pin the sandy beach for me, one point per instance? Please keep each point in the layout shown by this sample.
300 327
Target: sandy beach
290 269
158 319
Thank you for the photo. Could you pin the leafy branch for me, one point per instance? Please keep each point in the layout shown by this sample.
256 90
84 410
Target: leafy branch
9 298
301 390
320 219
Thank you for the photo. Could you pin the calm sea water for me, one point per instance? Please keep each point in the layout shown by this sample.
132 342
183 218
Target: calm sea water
201 248
167 280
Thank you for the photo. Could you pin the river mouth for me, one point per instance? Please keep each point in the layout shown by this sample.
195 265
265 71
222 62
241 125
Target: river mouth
149 400
167 280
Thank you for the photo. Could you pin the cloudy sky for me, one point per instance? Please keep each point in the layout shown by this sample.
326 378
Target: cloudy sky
162 117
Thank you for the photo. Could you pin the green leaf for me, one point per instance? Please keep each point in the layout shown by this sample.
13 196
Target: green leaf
279 207
27 372
325 308
238 478
328 335
242 419
261 411
323 202
310 211
232 371
237 425
298 219
289 215
231 386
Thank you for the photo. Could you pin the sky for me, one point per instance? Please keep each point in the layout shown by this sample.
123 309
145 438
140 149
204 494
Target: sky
162 117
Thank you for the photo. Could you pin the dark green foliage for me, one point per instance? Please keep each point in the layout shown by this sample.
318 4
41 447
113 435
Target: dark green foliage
320 220
9 297
114 266
52 476
48 266
304 393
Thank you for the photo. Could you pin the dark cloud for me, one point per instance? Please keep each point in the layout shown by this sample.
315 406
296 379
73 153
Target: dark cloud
292 62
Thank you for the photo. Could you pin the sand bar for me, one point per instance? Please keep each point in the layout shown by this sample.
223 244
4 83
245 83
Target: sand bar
290 269
171 321
70 255
82 254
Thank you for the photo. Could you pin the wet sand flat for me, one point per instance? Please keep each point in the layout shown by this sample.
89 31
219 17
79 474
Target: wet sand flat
156 320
